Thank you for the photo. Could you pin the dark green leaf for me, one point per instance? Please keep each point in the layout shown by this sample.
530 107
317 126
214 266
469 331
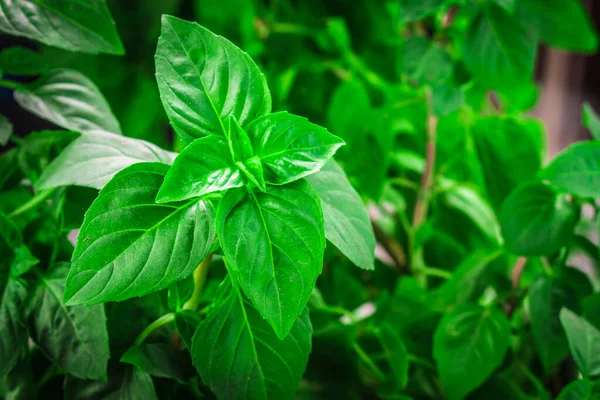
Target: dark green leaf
508 5
117 253
347 223
576 169
13 332
94 158
70 100
239 356
290 147
396 354
203 78
19 383
425 62
83 26
447 99
274 242
498 50
413 10
162 360
581 389
536 220
6 130
591 120
23 61
584 342
469 344
74 338
23 261
187 322
203 167
560 23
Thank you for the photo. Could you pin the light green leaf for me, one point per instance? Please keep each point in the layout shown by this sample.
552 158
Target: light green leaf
203 78
253 171
560 23
347 224
129 246
162 360
576 169
6 130
70 100
290 147
547 296
447 99
584 342
469 344
13 332
74 338
204 166
238 141
94 158
239 356
425 62
591 120
498 50
23 261
581 389
536 220
396 354
83 26
23 61
274 243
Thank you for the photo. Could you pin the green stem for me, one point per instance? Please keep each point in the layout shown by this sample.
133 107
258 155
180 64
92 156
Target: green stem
10 84
367 360
32 203
356 63
164 320
50 373
199 279
440 273
293 29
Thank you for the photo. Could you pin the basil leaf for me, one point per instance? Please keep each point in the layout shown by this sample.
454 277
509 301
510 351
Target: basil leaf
238 141
6 130
591 120
23 261
584 342
581 389
94 158
347 224
239 356
290 147
116 256
160 360
204 78
274 242
13 332
74 338
576 169
85 27
560 23
23 61
413 10
203 167
70 100
498 50
396 354
253 171
536 220
186 322
468 345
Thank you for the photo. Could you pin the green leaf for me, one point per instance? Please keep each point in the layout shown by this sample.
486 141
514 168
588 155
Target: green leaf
447 99
413 10
560 23
238 141
239 356
129 246
584 342
162 360
94 158
6 130
74 338
290 147
23 261
253 171
124 383
591 120
498 50
581 389
19 383
13 332
576 169
203 78
23 61
186 322
395 352
347 224
425 62
83 26
274 243
469 344
508 5
547 296
203 167
536 220
70 100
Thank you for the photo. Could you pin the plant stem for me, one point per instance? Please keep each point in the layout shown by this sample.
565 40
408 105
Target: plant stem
440 273
357 64
9 84
33 202
285 27
50 373
422 204
199 279
367 360
164 320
